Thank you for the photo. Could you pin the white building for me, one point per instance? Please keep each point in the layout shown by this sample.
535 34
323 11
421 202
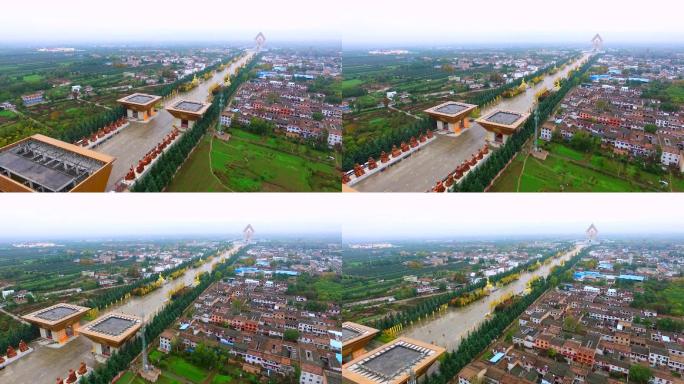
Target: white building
311 374
671 156
334 137
226 119
546 133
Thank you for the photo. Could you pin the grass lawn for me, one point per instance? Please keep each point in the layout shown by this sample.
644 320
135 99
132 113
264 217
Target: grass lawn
221 379
33 78
349 84
180 367
7 114
568 170
155 356
251 163
195 175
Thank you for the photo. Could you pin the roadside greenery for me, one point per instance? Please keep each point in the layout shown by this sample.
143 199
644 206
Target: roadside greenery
385 142
121 360
478 340
459 297
162 172
478 179
12 332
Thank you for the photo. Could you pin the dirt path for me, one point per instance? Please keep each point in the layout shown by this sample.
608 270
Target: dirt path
522 171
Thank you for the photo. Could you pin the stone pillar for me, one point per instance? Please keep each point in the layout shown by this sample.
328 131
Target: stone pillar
129 112
59 336
43 333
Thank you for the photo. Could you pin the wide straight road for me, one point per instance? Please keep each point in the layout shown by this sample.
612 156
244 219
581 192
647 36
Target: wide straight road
45 364
421 171
448 329
134 142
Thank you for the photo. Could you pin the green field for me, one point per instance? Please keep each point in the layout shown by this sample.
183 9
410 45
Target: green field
251 163
195 175
568 170
362 127
7 114
349 84
221 379
676 92
182 368
33 78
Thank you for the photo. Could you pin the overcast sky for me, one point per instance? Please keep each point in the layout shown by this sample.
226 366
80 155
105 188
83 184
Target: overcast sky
431 216
395 22
85 216
464 22
167 20
356 216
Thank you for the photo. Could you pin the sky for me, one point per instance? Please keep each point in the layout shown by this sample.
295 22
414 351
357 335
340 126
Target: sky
355 22
353 216
64 21
86 216
439 216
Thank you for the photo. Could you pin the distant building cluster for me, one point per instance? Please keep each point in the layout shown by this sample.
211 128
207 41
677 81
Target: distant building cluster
613 107
583 334
314 261
281 96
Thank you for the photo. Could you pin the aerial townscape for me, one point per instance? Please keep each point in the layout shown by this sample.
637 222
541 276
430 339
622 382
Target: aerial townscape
595 118
590 310
246 310
298 192
243 117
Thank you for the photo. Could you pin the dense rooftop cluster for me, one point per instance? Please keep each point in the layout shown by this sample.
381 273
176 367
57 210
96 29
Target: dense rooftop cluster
281 96
257 320
615 108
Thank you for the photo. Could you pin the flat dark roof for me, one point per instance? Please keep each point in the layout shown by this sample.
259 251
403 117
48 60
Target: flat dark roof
113 326
35 172
349 334
393 361
189 106
505 118
140 99
47 166
451 109
56 313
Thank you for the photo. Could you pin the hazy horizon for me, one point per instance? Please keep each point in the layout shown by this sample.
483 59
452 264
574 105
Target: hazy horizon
362 217
39 217
355 22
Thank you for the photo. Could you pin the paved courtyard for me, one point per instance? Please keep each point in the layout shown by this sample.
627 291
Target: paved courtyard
421 171
45 364
134 142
